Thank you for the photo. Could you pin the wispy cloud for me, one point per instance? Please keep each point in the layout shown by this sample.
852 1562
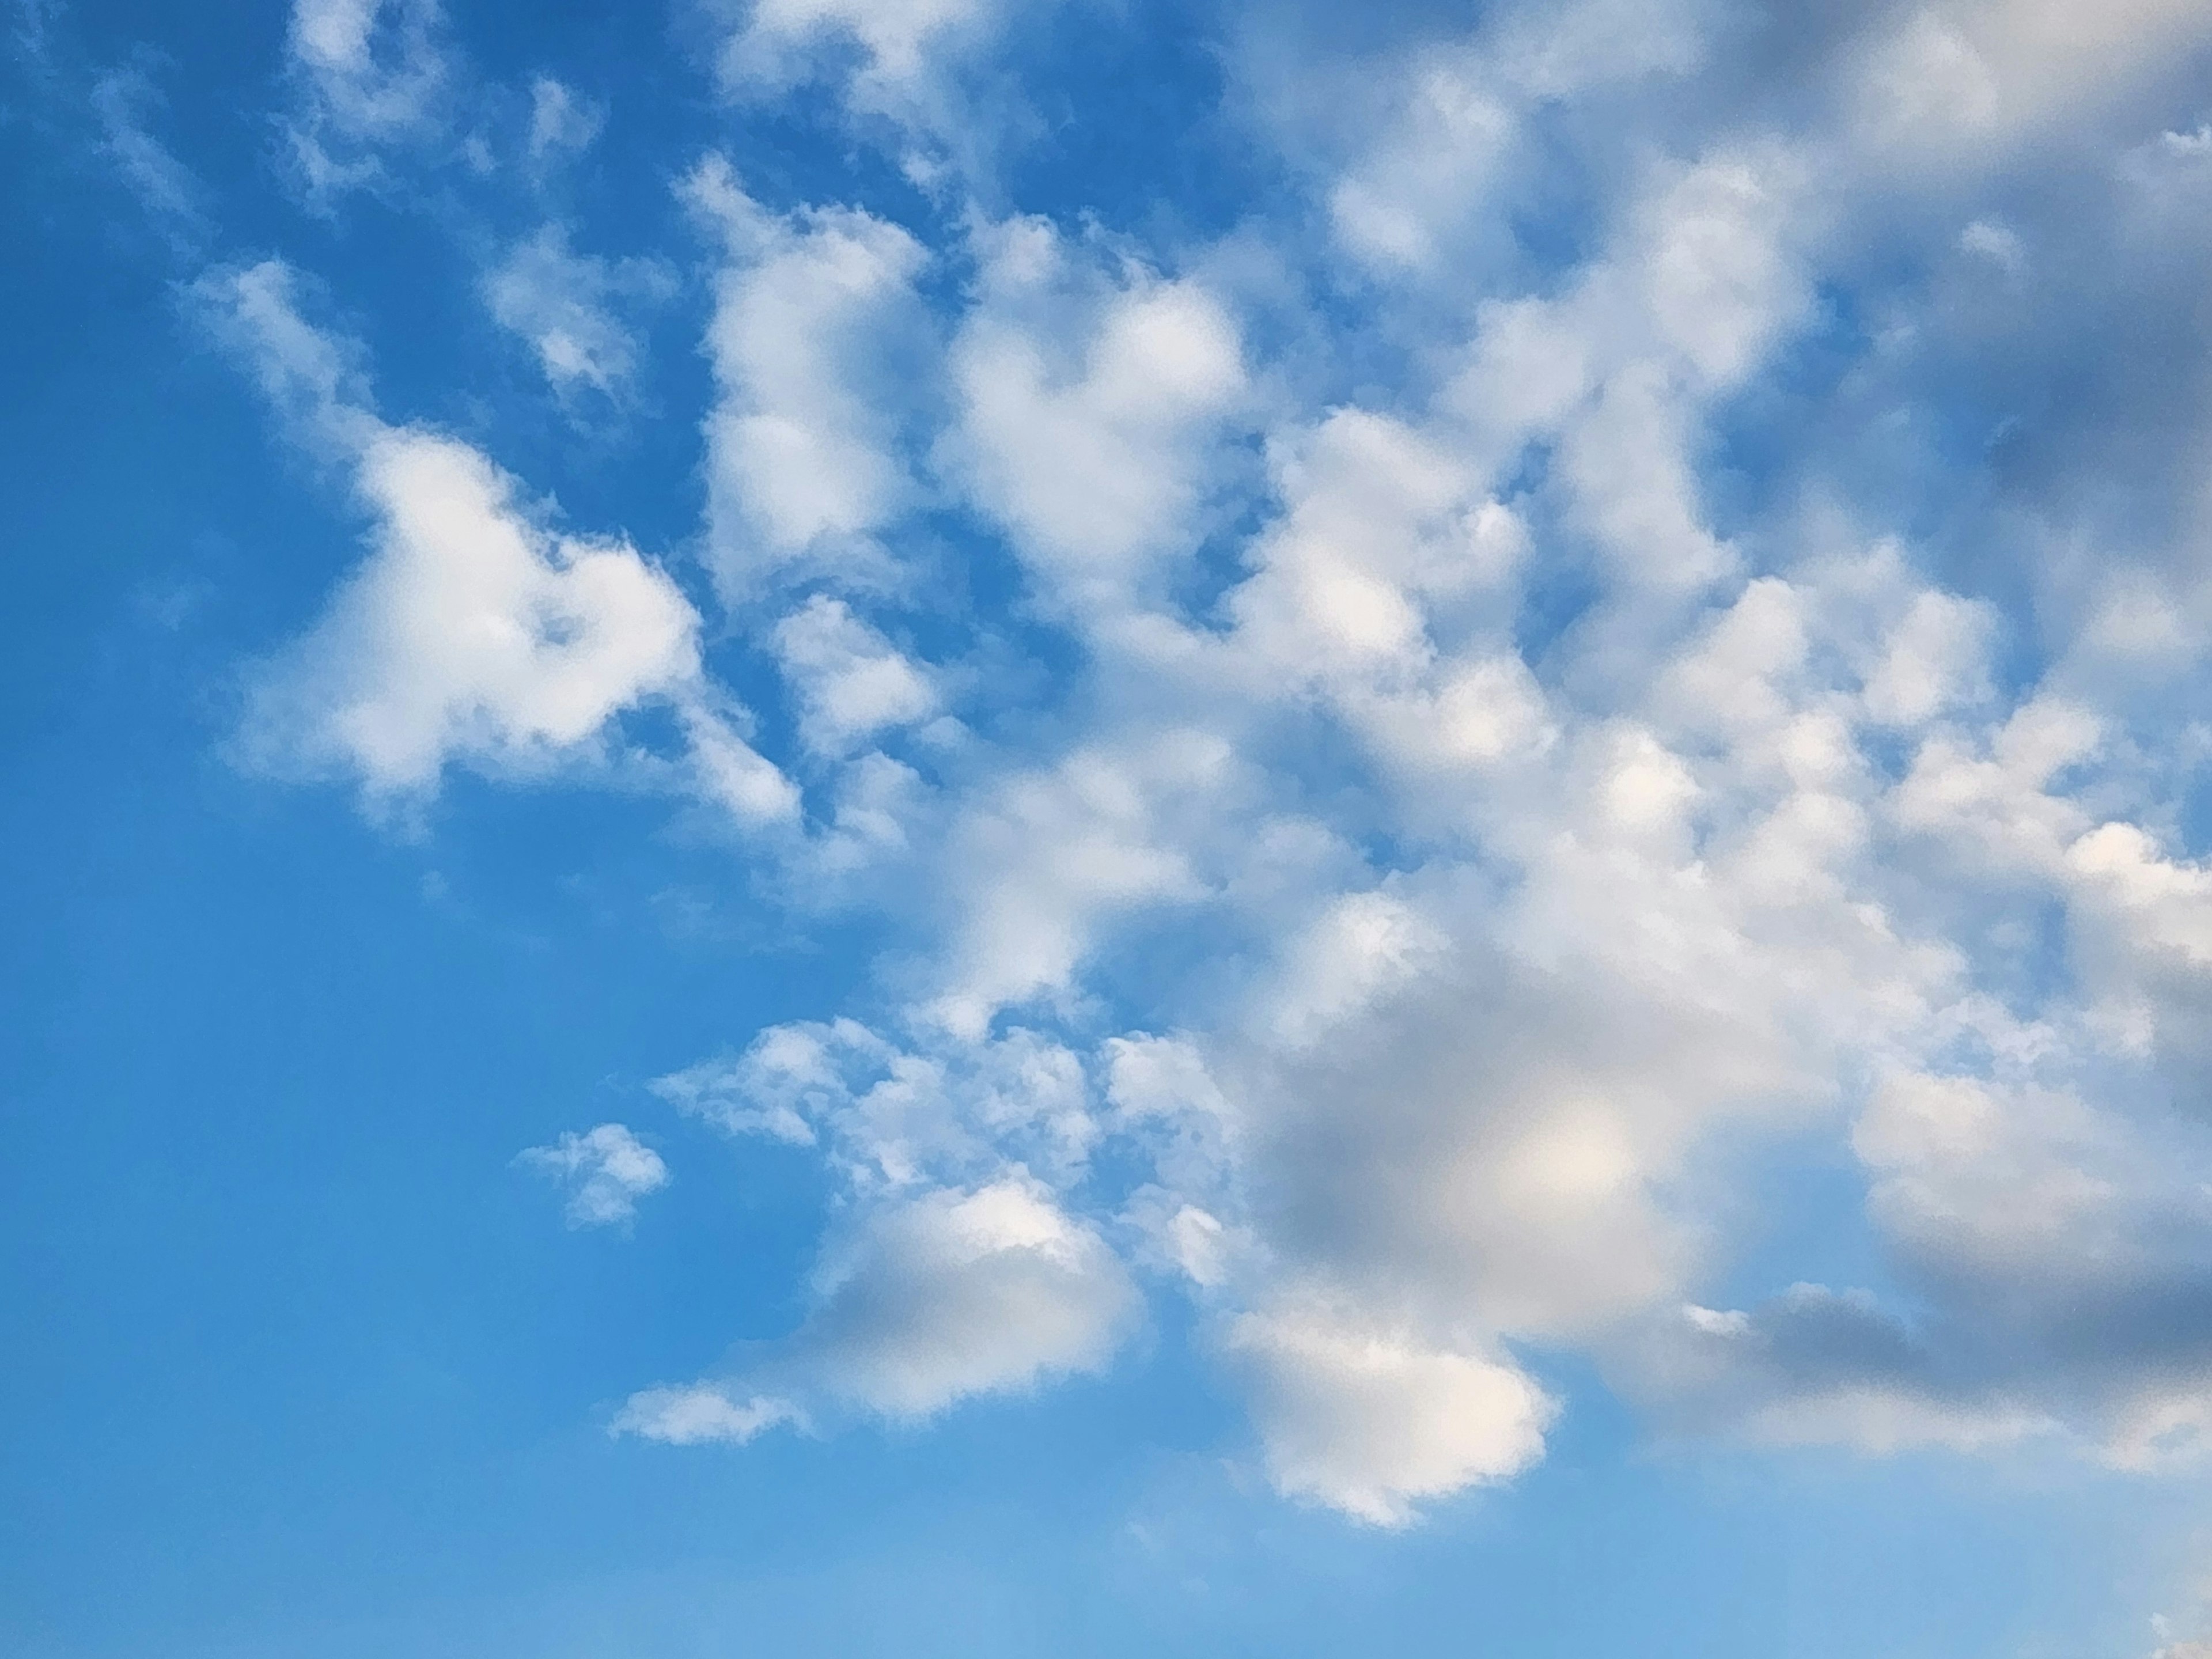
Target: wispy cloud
606 1171
569 308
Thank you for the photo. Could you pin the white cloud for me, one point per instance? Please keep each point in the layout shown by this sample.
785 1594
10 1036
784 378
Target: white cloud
1936 659
1618 372
813 318
1040 863
1089 409
315 380
779 38
698 1415
1372 1423
850 682
375 73
1955 80
1428 191
606 1170
962 1293
123 99
892 1119
566 306
932 1300
561 121
1395 206
473 632
1593 735
1361 948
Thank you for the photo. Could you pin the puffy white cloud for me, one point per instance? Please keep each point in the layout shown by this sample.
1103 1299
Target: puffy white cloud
850 682
892 1118
961 1293
1429 188
473 632
779 38
1618 372
1089 410
906 72
1361 948
606 1170
790 1076
932 1300
1963 76
698 1414
1397 206
1048 857
814 318
1376 519
1523 729
1370 1423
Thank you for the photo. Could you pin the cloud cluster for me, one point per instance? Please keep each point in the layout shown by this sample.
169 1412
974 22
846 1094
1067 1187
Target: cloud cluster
1579 707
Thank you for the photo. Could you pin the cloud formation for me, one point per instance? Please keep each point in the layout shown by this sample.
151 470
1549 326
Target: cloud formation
812 318
606 1171
568 307
373 75
1399 749
472 632
934 1299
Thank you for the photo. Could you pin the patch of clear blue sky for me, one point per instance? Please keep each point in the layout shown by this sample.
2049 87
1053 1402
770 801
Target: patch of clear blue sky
298 1365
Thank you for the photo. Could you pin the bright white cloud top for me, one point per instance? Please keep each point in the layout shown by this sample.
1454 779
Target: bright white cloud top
1391 767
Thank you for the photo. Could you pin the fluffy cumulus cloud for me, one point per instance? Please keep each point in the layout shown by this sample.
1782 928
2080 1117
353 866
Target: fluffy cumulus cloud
851 682
1091 402
474 632
933 1299
1399 748
904 67
779 40
1370 1423
815 320
605 1171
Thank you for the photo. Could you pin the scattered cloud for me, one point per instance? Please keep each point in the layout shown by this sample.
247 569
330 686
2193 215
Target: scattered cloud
815 319
561 121
1089 410
373 75
1369 1423
124 99
1455 732
850 682
932 1300
605 1171
568 307
473 632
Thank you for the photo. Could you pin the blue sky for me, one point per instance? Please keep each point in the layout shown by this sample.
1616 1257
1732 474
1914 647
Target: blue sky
940 826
